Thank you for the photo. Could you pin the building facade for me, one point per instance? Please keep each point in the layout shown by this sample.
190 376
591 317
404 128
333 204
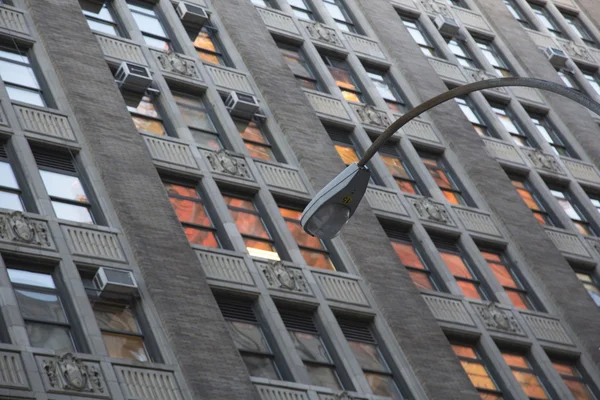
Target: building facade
150 244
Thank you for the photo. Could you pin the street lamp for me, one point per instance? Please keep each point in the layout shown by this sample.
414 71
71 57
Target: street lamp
333 206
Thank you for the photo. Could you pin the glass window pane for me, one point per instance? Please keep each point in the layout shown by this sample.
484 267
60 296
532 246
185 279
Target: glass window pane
183 191
149 24
260 366
40 306
348 154
317 260
579 390
464 351
421 279
201 237
248 337
157 43
261 249
19 74
408 255
530 384
7 177
469 289
382 385
323 376
456 265
239 203
63 186
125 346
53 337
249 130
72 212
478 375
518 299
102 27
196 118
503 275
515 360
11 201
395 166
310 347
303 238
148 125
249 224
26 96
115 318
30 278
259 151
208 140
368 356
190 211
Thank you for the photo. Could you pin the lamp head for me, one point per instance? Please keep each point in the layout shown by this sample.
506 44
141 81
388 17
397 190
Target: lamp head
333 206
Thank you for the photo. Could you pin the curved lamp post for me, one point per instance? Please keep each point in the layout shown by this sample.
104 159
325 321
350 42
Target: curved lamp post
333 206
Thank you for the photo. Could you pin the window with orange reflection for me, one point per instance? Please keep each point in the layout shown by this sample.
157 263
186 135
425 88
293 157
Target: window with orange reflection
531 201
193 216
477 371
525 375
465 278
256 142
400 172
508 278
313 250
146 117
411 259
573 379
442 177
252 228
346 153
344 79
207 45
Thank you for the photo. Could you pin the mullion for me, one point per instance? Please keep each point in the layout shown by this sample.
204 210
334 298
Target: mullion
137 114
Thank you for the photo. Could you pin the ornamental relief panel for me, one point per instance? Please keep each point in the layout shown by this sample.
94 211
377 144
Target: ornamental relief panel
497 319
323 33
369 115
576 51
175 63
68 372
481 75
17 227
224 162
430 211
283 277
544 161
435 7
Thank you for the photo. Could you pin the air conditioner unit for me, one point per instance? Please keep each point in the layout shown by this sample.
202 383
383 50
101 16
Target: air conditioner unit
557 57
192 14
446 26
115 281
242 104
133 77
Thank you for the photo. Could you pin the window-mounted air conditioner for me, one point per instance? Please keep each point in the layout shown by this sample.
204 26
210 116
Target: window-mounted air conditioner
192 14
241 104
557 57
446 26
133 77
114 281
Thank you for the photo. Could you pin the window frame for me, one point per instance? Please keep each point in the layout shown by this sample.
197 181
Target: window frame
474 280
333 63
212 34
397 104
39 91
159 18
580 29
487 47
442 166
478 360
568 196
591 77
114 23
427 48
204 108
547 217
529 370
466 59
348 21
580 378
135 113
260 125
480 126
517 13
304 62
547 20
593 281
556 142
306 13
520 137
18 191
408 241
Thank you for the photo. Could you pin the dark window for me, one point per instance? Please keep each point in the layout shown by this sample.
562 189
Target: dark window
99 16
547 20
192 214
571 376
457 3
197 116
312 248
146 118
302 9
580 30
459 267
148 22
477 371
19 77
443 178
42 309
10 192
509 123
463 54
420 37
410 256
387 90
565 201
472 115
295 59
248 337
368 354
525 375
398 168
342 18
549 133
207 45
344 78
506 275
492 55
250 224
311 348
60 177
531 200
255 140
516 12
591 285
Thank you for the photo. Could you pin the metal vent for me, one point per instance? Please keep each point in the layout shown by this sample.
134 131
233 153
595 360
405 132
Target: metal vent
394 233
389 148
358 331
237 309
340 137
54 159
296 320
3 151
445 243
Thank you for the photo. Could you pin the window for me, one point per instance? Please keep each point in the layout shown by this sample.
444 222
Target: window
595 199
343 145
120 330
443 178
313 250
569 80
148 22
207 45
410 256
344 79
398 168
19 78
416 31
457 3
248 337
591 285
547 20
342 18
572 378
366 350
463 55
302 9
476 370
254 232
565 201
507 276
387 90
459 267
510 124
192 214
294 57
310 347
146 118
517 13
546 129
473 116
99 17
491 54
531 200
45 319
10 193
592 79
255 140
525 375
197 117
66 191
580 30
262 3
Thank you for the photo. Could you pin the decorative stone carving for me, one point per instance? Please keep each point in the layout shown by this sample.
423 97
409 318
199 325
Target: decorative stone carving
173 62
280 276
343 395
323 33
429 210
481 75
434 7
369 115
498 319
544 161
17 227
577 51
67 372
224 162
